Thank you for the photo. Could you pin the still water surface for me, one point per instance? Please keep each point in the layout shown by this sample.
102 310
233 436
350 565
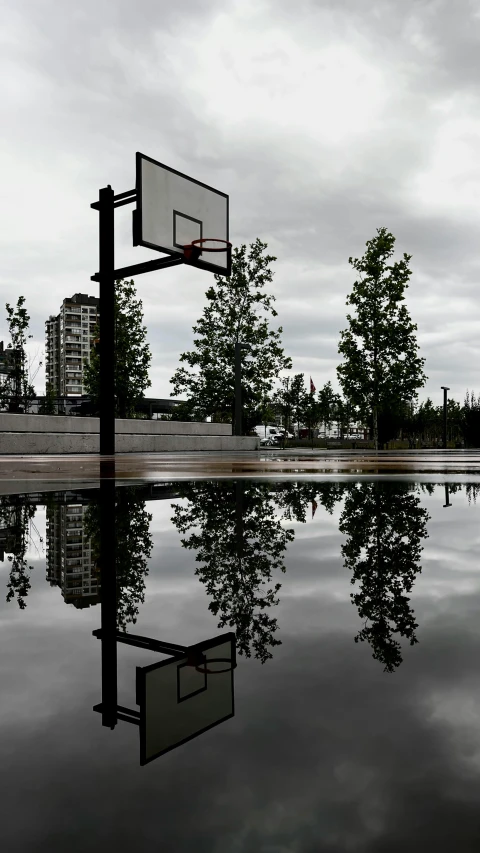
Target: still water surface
356 609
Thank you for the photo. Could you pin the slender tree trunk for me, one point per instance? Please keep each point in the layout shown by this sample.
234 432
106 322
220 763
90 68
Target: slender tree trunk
375 427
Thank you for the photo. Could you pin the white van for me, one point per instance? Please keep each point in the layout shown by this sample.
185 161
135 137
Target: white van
265 431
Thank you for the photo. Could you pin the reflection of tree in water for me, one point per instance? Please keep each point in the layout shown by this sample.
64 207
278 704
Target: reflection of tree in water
385 524
133 549
295 498
472 490
16 522
240 545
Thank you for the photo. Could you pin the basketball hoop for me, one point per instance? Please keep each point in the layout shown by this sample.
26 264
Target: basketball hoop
193 250
215 665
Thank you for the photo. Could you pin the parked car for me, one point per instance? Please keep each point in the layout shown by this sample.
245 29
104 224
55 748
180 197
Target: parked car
285 433
268 442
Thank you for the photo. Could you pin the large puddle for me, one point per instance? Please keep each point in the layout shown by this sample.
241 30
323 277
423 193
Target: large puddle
301 671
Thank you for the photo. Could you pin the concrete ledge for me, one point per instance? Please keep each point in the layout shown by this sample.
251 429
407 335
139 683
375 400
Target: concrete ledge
43 443
62 424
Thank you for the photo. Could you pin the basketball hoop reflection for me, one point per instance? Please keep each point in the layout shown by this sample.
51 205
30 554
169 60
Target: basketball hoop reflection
180 697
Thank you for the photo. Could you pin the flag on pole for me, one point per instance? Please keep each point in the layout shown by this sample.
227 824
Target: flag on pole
312 386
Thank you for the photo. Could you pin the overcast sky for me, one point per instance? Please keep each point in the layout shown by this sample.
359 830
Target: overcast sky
322 120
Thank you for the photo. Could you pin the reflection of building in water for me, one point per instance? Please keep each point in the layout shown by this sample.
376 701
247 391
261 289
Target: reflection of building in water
69 555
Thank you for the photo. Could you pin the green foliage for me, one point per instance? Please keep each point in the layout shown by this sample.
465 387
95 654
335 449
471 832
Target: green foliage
294 498
266 410
238 310
133 356
345 414
298 394
289 400
299 406
133 549
385 525
16 390
381 366
284 401
423 425
239 544
48 405
311 413
472 419
184 412
329 405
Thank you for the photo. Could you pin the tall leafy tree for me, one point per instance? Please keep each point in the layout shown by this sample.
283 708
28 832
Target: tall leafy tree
328 405
48 405
299 396
284 402
238 310
17 389
381 366
311 412
133 355
472 419
345 413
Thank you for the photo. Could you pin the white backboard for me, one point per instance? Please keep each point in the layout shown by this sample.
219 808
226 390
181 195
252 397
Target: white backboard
178 703
173 209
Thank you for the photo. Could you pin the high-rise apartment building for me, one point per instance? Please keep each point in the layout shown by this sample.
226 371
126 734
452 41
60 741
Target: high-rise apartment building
69 339
70 564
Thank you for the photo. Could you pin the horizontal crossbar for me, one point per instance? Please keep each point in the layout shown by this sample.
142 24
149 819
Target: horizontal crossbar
145 643
129 200
147 266
126 714
129 196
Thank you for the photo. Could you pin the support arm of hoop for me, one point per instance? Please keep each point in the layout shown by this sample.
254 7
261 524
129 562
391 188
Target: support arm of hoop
147 266
145 643
122 198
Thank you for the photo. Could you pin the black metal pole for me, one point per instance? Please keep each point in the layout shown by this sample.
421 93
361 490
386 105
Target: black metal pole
108 580
107 321
238 389
447 497
445 389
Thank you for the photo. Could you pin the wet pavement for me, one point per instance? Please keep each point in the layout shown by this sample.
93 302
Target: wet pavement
49 471
351 721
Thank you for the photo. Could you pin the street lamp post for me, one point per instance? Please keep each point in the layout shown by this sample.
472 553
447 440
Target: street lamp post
238 386
445 389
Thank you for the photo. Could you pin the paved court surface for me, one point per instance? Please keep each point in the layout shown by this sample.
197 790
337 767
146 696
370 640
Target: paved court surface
28 473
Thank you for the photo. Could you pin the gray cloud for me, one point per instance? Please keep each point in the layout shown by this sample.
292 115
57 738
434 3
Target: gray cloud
323 122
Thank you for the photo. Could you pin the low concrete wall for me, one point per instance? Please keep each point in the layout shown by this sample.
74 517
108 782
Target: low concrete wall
41 434
62 423
42 443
